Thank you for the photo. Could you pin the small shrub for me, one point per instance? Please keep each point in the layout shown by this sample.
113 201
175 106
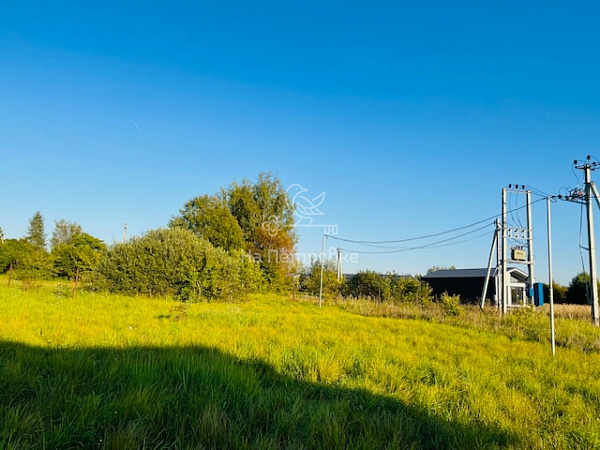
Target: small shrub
62 290
450 304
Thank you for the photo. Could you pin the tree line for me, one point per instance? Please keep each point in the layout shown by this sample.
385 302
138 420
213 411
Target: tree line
238 240
364 284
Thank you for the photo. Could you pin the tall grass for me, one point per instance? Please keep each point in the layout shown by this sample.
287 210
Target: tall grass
107 371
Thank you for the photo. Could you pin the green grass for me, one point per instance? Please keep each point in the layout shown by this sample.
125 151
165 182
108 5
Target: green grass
106 371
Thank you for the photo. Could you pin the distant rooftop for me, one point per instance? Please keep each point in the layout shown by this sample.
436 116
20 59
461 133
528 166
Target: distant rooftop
457 273
467 273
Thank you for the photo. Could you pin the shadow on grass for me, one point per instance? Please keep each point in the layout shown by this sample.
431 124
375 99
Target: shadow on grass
195 397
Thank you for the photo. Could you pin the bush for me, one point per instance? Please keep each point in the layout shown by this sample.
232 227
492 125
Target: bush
311 282
450 304
390 287
406 289
173 262
28 262
369 284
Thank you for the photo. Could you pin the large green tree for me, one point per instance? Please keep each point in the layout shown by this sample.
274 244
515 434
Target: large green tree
209 218
79 255
265 214
36 235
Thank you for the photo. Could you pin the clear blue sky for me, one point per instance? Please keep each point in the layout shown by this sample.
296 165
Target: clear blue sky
411 116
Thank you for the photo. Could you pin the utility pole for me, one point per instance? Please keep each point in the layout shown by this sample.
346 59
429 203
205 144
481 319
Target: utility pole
489 266
590 190
124 231
550 283
322 266
529 241
339 264
504 293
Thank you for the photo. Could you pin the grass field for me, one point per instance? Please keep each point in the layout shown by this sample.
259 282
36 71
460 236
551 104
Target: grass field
106 371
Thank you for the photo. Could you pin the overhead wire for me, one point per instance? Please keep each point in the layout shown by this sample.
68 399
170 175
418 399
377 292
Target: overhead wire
438 244
512 210
397 241
539 192
389 247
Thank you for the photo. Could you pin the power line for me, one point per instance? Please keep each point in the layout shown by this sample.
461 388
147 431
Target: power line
426 246
397 241
539 192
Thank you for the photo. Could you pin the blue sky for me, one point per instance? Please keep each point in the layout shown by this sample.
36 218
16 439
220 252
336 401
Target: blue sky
411 116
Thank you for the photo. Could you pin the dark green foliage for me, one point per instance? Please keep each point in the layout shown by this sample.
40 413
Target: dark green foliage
27 260
560 293
79 254
389 287
369 284
209 218
35 233
172 262
577 292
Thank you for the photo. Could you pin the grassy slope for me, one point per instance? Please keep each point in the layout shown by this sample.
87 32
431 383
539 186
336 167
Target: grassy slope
109 371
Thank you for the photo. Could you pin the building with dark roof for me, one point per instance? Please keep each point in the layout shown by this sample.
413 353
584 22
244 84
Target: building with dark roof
468 284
